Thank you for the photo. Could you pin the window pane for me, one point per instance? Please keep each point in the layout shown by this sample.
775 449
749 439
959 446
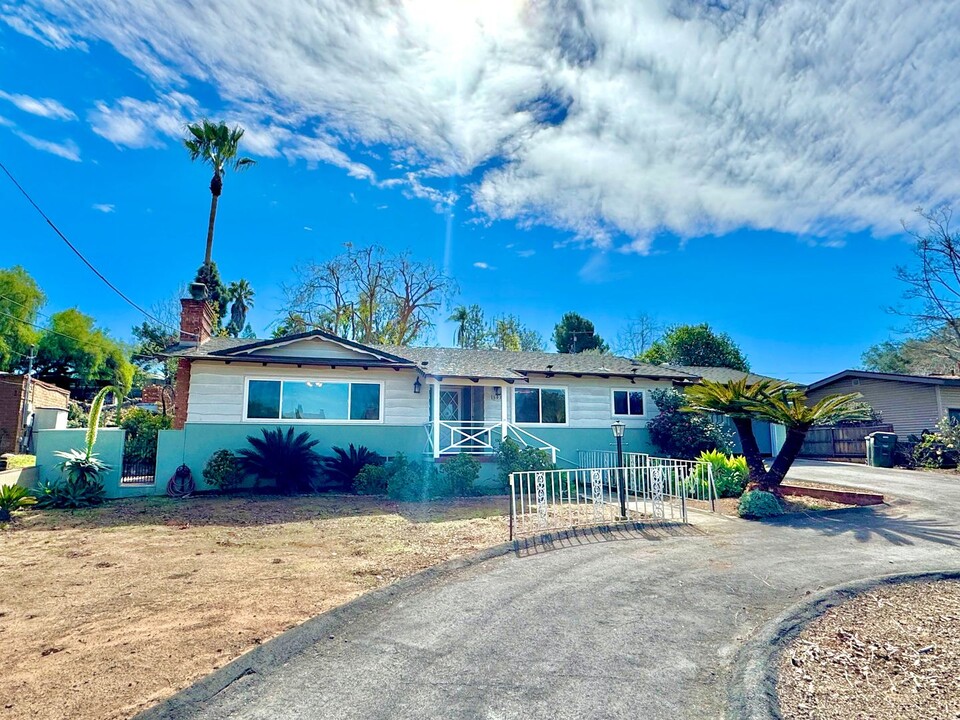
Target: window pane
365 402
527 405
619 402
954 416
263 399
636 403
553 406
314 401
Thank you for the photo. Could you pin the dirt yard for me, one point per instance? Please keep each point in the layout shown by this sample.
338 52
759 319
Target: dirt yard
104 612
891 654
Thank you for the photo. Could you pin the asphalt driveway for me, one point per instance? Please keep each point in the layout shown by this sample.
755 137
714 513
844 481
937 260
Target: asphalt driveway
643 627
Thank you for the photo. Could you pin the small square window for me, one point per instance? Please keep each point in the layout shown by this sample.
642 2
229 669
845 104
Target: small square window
628 403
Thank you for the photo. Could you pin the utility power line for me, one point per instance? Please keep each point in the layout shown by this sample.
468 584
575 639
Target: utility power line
77 252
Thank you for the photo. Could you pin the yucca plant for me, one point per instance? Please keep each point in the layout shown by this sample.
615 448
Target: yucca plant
343 466
289 461
13 497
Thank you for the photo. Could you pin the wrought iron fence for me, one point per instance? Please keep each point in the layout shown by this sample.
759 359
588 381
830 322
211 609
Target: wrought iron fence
694 475
138 471
545 500
608 459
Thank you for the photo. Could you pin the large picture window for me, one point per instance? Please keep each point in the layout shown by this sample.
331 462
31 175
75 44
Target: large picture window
542 406
628 403
313 401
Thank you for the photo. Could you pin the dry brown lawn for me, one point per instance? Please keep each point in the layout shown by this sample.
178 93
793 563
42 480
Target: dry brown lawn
890 654
104 612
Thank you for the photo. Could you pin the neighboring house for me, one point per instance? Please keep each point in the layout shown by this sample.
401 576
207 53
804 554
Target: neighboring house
911 403
420 401
47 409
770 437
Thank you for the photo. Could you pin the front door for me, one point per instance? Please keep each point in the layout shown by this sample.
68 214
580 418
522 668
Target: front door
451 412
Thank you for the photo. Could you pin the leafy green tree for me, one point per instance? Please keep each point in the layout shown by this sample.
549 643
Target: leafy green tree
241 295
508 333
681 434
886 357
217 293
20 303
73 351
471 330
216 145
696 345
574 334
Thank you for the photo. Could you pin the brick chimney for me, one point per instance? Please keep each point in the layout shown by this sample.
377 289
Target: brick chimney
196 321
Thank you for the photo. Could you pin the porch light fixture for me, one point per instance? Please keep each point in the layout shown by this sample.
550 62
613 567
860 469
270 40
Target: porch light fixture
416 386
618 427
497 392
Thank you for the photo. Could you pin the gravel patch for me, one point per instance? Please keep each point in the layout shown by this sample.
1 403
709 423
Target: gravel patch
893 652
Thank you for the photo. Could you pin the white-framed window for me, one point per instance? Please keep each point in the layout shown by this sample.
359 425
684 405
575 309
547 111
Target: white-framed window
540 405
627 403
312 400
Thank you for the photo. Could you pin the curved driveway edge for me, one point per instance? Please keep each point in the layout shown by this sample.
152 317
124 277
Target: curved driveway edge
282 648
753 695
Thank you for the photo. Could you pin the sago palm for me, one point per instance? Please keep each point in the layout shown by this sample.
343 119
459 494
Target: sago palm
790 409
218 146
241 295
737 399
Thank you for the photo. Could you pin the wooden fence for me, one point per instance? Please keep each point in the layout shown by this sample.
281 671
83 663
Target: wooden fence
840 441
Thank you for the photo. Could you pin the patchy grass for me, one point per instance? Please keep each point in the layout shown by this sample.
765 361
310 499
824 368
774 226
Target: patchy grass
15 462
106 611
889 654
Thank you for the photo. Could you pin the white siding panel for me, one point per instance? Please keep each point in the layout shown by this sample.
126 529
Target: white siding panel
216 390
909 407
589 400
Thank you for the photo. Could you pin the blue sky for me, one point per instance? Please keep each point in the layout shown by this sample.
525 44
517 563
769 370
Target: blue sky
748 168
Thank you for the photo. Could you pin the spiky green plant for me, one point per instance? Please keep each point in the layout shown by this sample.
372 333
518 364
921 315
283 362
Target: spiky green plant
13 497
287 460
343 466
93 423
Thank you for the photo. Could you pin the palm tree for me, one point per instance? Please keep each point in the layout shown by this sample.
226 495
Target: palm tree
241 294
217 146
776 402
790 409
460 315
735 399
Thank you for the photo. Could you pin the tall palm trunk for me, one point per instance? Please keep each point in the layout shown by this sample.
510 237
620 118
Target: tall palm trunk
750 448
216 187
788 453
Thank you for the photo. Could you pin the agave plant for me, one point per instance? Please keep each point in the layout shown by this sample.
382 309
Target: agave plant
81 467
343 466
289 461
13 497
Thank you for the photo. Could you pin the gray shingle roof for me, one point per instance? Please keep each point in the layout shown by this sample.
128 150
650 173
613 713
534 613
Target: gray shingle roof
722 374
459 362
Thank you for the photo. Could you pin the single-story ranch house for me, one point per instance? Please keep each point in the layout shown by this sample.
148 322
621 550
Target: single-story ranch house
911 403
424 402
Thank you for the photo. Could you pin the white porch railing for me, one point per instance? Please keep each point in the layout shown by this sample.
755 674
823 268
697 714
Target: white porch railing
608 459
478 437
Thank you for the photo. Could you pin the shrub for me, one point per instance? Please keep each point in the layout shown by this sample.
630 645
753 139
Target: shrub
342 467
69 493
935 451
81 467
459 474
371 480
511 458
289 461
15 462
223 470
681 434
411 482
142 427
13 497
757 504
730 474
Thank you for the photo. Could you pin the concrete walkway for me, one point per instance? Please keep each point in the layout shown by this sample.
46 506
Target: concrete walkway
639 628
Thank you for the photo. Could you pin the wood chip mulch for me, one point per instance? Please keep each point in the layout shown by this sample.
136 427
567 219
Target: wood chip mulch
890 653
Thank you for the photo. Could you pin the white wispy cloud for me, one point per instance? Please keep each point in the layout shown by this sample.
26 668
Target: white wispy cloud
134 123
44 107
616 121
104 207
480 265
68 149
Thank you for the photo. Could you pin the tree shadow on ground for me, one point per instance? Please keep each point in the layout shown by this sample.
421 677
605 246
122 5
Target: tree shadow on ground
867 524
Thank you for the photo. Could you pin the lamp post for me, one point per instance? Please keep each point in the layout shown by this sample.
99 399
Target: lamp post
618 428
